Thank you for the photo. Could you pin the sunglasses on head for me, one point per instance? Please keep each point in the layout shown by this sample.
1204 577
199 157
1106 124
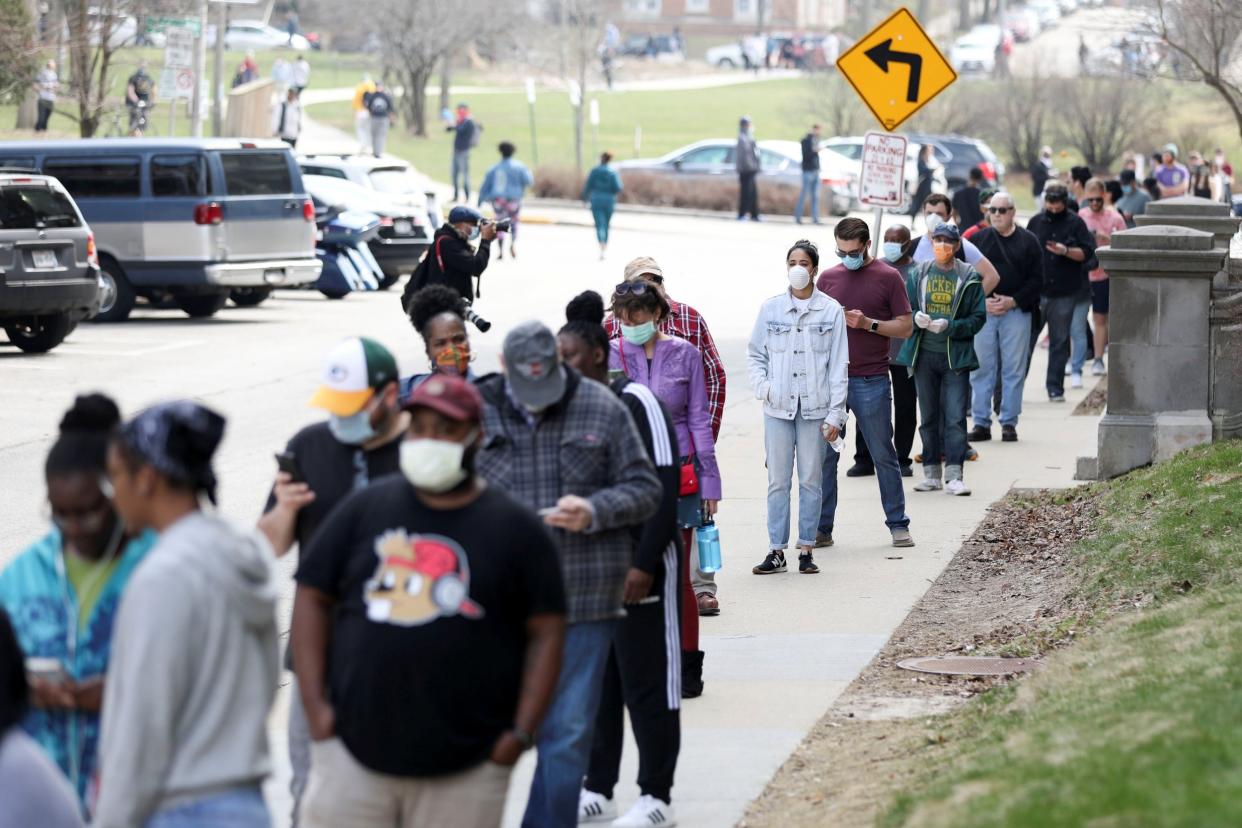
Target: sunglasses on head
636 288
995 210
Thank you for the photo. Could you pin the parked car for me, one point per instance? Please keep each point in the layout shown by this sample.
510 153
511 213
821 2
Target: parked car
49 273
958 153
975 51
184 219
1022 23
255 34
780 164
398 180
404 234
1068 6
1049 12
661 47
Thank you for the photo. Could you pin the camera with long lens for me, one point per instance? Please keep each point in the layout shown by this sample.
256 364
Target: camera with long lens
479 322
502 226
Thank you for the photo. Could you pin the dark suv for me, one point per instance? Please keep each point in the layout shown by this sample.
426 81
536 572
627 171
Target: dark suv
49 275
963 153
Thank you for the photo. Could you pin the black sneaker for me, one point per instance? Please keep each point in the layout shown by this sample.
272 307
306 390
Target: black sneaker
1009 434
806 564
773 563
823 539
859 470
907 470
979 434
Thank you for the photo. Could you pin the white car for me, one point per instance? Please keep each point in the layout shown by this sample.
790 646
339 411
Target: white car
395 178
255 34
976 50
728 56
1049 12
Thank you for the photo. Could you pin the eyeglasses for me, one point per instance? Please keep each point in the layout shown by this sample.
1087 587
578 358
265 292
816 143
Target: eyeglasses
1094 200
636 288
841 254
1002 210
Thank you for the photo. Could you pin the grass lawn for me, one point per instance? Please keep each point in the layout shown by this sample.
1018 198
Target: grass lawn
1140 722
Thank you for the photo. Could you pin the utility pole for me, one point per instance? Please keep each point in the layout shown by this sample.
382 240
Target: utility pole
197 111
217 91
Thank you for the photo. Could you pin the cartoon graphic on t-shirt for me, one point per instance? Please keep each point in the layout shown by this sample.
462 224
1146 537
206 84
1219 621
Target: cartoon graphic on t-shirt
418 579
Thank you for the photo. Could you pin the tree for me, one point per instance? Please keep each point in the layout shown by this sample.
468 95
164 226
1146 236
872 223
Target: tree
1207 35
583 23
91 27
1024 113
416 36
1104 115
18 50
835 105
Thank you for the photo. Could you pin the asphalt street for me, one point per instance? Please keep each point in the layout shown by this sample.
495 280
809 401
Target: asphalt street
784 646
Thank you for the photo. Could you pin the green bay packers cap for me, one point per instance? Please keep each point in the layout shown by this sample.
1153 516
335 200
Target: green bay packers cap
354 370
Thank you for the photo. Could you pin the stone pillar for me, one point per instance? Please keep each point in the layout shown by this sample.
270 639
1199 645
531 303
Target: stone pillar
1193 212
1159 368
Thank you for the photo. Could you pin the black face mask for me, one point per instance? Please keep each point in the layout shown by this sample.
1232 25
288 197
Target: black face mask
1057 216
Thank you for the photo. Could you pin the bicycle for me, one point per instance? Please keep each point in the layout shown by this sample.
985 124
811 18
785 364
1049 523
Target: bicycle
132 121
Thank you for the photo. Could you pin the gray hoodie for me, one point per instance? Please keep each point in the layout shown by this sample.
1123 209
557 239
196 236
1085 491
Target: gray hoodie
192 674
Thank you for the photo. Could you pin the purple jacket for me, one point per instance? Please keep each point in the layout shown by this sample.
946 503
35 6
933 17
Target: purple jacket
676 377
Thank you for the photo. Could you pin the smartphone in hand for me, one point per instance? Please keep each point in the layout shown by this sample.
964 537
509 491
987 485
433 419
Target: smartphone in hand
288 463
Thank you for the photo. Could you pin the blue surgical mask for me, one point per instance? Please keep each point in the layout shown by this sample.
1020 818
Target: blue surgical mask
1127 188
855 261
474 232
354 430
892 251
638 334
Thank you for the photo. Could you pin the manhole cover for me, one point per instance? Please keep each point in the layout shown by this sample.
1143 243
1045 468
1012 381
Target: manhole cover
970 665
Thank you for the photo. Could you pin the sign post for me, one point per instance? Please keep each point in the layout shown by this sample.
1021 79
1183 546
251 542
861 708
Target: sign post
593 117
177 76
530 101
883 180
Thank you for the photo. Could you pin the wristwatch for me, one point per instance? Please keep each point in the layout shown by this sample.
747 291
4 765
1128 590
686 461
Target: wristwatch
875 326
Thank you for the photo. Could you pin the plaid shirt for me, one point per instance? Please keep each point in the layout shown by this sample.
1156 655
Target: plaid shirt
585 445
686 323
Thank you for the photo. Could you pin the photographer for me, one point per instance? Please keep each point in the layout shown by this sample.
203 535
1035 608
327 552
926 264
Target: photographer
451 260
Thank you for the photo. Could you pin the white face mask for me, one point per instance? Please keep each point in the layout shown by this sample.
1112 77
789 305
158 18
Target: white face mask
799 277
434 465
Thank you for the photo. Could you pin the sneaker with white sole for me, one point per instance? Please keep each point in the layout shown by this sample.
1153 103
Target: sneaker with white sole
595 807
1075 380
1098 369
647 811
957 488
929 484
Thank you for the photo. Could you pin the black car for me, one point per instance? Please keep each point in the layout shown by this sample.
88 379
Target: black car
958 153
49 272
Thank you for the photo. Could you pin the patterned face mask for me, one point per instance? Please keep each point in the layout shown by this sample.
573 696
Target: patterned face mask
452 360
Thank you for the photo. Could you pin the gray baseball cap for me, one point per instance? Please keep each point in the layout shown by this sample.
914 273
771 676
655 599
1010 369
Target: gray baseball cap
533 366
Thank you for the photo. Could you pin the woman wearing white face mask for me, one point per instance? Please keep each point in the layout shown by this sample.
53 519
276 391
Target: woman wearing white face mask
797 360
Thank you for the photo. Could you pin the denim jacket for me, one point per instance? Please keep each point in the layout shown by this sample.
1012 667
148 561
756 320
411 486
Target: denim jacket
819 333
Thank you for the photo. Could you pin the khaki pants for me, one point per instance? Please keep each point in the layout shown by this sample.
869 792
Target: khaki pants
342 792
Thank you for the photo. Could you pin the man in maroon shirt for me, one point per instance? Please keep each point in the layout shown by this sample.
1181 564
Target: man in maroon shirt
876 310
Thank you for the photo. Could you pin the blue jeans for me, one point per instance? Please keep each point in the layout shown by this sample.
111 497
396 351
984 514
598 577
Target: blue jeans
569 728
871 401
238 808
782 440
1001 346
942 410
602 213
1078 335
810 188
461 170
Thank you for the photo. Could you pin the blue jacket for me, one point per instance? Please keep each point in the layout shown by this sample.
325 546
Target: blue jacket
39 599
508 180
602 186
818 335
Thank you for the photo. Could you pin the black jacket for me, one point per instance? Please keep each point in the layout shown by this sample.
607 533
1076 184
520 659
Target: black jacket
1062 275
1019 260
810 153
450 261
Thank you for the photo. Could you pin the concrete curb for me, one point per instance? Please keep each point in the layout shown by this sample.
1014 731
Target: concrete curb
652 210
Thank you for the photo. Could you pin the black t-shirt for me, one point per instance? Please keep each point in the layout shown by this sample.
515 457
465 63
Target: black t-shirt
966 205
142 84
333 470
429 635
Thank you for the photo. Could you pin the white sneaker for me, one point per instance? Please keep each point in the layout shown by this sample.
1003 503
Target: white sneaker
1097 368
647 811
1076 381
929 484
595 807
956 488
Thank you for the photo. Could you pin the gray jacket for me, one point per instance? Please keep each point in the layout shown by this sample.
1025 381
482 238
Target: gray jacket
747 153
193 672
585 445
818 338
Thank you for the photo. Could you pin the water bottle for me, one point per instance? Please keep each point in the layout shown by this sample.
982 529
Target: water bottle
708 537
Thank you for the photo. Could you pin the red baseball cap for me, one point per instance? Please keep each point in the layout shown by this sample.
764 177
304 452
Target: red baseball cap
451 396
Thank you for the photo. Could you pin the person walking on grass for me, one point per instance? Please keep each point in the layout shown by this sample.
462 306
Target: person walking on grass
600 191
797 360
948 296
747 163
362 117
465 138
876 310
381 113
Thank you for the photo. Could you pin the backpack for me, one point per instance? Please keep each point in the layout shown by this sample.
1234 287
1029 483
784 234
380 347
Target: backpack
379 105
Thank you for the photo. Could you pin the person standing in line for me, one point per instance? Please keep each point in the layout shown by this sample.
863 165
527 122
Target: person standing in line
382 114
926 172
896 249
644 669
810 175
941 354
600 191
1067 245
504 186
568 447
287 119
47 84
440 603
876 310
747 164
797 360
356 445
465 138
1102 221
362 116
1042 171
1172 178
1002 346
200 614
438 313
1200 176
301 73
64 589
684 322
985 200
35 791
967 211
673 369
